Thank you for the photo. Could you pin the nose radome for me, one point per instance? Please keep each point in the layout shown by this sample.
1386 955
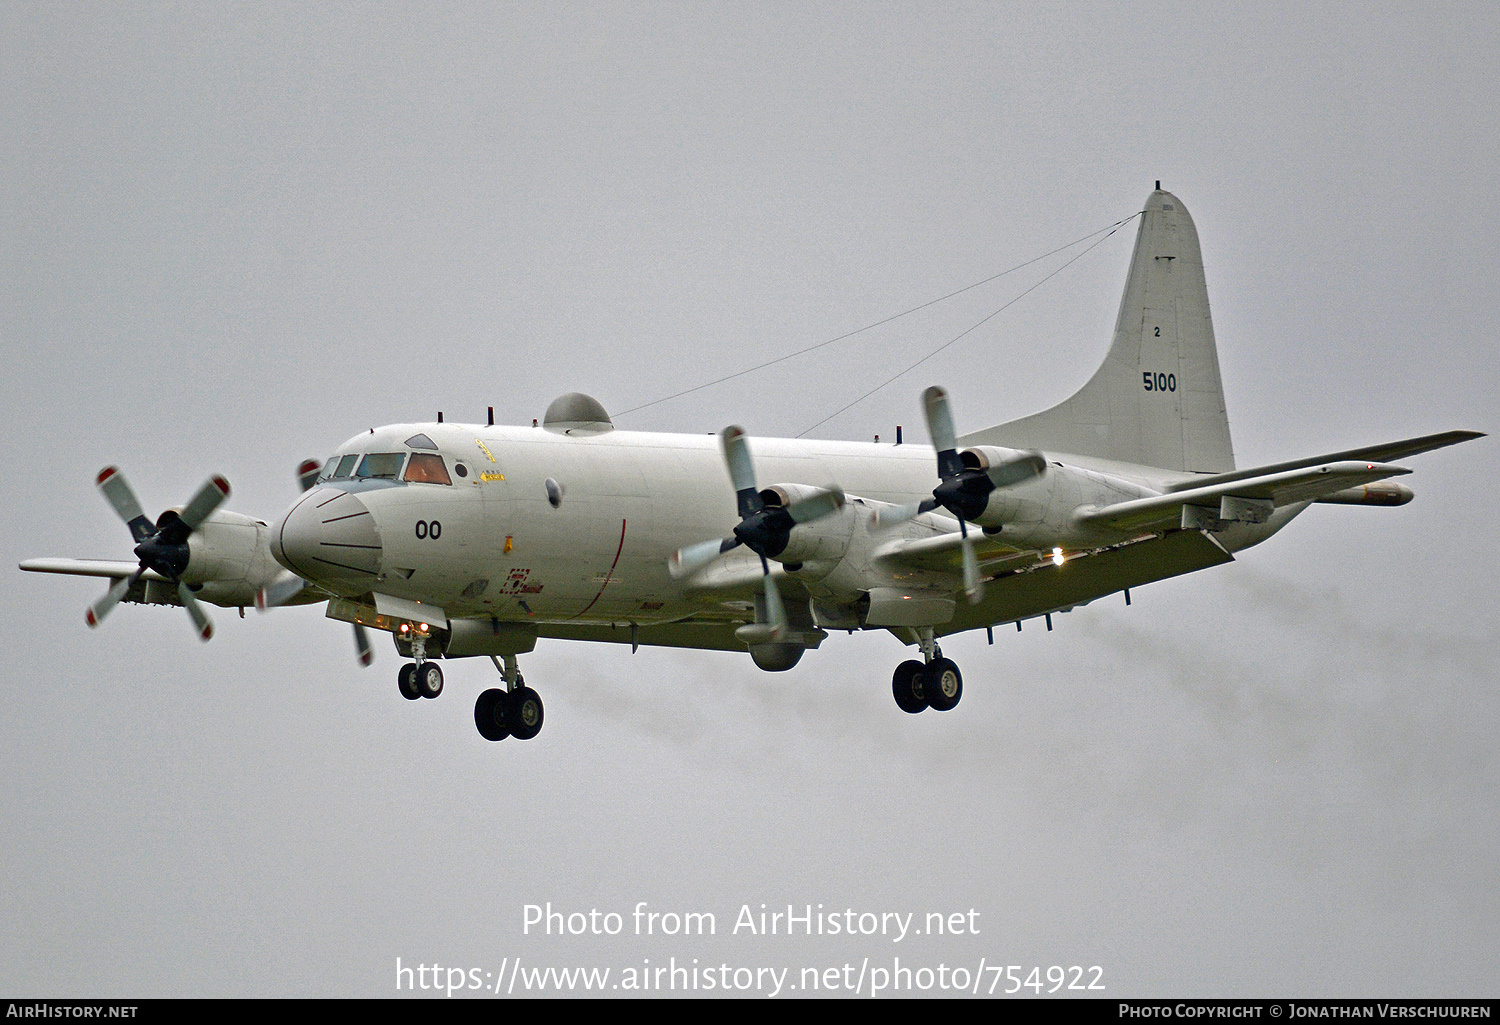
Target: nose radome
330 537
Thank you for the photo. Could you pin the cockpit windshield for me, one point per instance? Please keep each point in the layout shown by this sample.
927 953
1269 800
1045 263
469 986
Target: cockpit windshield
381 465
339 466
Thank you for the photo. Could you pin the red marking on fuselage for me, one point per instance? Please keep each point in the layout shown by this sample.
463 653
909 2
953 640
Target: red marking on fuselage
607 576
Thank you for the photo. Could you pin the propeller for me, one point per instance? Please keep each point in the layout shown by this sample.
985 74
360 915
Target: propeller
764 529
962 490
162 546
288 585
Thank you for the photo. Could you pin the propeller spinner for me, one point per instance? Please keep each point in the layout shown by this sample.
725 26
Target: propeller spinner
162 547
764 529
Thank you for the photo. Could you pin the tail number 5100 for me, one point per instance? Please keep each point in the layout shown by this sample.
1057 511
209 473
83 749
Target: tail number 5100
1159 382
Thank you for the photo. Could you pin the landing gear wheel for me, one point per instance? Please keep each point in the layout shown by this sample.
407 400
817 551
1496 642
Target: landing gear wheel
942 683
906 685
407 682
429 679
490 715
524 713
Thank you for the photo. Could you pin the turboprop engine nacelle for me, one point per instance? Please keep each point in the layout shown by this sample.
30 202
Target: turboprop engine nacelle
230 555
825 539
1004 467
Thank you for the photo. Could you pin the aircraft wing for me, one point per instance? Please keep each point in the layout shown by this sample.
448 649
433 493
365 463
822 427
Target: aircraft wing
1285 487
113 569
1370 454
943 553
1035 591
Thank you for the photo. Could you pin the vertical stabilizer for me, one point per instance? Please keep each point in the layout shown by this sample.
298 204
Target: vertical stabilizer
1157 400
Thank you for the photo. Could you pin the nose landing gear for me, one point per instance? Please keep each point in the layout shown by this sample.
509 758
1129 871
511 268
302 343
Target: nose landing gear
420 679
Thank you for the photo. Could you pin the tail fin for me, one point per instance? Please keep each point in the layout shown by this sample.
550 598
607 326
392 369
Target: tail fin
1157 400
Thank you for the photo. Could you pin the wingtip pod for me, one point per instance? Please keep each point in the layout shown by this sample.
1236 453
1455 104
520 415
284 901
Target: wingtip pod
1383 492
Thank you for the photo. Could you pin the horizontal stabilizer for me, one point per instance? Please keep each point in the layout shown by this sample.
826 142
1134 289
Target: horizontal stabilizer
1284 488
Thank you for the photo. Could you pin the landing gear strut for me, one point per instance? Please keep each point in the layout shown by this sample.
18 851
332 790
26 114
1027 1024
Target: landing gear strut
936 684
514 712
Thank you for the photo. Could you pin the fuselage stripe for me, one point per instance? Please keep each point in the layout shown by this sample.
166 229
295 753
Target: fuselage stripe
607 576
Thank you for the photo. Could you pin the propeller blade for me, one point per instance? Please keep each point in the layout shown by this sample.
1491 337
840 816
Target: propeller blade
200 618
973 585
689 560
279 591
122 499
894 516
940 429
817 506
116 593
307 473
1013 471
209 497
741 470
362 646
775 610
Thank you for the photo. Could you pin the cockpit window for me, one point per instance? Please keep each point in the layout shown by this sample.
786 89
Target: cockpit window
338 466
384 465
420 441
427 469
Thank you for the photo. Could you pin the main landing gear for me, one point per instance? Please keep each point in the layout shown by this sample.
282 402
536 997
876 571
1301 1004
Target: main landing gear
937 683
513 712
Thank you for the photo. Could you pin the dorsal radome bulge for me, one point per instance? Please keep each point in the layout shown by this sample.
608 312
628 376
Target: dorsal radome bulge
576 414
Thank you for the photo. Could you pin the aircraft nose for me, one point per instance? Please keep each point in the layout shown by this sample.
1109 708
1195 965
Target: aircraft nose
329 536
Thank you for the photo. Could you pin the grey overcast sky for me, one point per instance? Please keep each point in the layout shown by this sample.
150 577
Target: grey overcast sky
233 235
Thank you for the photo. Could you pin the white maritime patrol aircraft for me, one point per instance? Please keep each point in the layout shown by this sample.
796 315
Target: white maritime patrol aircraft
465 540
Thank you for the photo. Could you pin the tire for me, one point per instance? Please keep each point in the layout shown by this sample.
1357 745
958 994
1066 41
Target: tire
429 679
406 681
906 686
524 713
490 715
943 684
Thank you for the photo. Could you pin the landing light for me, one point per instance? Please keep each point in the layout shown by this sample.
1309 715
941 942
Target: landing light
1057 556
